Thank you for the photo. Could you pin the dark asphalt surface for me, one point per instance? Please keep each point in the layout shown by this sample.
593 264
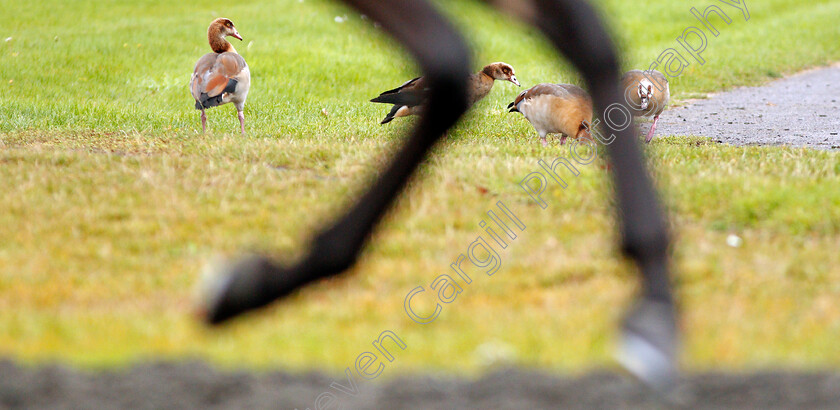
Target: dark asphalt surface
802 110
193 385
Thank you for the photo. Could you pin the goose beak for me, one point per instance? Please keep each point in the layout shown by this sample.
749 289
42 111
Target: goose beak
236 35
514 80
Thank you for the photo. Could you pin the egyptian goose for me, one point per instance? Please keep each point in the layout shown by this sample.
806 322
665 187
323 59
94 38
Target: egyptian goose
222 76
556 109
647 94
408 99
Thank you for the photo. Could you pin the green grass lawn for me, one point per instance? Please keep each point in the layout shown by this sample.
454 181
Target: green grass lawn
113 200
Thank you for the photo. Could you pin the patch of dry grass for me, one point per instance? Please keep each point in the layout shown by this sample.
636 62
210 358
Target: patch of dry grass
112 202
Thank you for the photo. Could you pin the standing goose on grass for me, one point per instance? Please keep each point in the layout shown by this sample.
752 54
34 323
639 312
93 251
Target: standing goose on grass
647 94
222 76
408 99
556 109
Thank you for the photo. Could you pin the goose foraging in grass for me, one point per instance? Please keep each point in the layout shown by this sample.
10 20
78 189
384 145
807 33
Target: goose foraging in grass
409 98
222 76
556 109
647 94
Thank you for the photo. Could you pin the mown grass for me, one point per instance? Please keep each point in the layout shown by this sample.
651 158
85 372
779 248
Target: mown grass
112 201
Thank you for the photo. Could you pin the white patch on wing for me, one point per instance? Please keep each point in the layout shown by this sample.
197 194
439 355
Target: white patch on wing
537 111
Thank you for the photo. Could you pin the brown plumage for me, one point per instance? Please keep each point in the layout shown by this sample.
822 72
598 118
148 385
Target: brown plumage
647 94
409 98
222 76
556 109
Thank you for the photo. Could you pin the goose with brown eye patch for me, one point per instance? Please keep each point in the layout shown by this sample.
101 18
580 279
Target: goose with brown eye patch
647 94
409 98
222 76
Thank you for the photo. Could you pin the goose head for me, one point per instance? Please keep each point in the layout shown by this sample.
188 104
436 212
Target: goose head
501 71
645 91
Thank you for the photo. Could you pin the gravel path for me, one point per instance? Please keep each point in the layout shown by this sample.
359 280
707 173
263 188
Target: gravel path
802 110
196 385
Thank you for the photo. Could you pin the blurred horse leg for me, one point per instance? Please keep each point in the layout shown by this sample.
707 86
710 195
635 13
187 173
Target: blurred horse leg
649 336
649 331
443 57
